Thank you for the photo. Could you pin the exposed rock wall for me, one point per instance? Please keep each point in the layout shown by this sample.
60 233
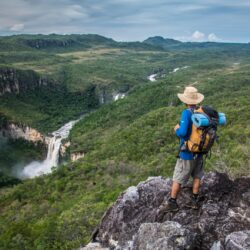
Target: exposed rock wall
221 222
76 156
15 131
47 43
64 147
15 81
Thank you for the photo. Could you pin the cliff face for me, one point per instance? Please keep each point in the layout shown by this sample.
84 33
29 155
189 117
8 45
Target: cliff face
15 131
55 41
222 221
76 156
46 43
17 81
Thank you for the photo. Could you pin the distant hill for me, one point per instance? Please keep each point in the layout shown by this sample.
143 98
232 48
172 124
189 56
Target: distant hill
57 43
54 41
162 42
169 43
76 42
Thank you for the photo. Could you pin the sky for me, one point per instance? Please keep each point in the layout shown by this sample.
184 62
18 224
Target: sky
130 20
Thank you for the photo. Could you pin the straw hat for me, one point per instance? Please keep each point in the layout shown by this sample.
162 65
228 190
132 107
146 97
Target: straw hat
191 96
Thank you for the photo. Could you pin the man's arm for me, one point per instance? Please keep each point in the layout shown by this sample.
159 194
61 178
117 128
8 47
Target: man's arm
182 129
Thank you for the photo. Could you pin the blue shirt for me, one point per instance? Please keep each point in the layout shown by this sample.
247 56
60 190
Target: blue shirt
184 133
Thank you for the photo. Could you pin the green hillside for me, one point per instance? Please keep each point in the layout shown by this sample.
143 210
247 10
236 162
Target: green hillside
120 131
103 68
124 141
47 108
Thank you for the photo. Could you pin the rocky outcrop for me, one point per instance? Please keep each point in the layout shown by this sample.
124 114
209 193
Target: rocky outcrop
27 133
64 147
76 156
222 221
168 235
15 81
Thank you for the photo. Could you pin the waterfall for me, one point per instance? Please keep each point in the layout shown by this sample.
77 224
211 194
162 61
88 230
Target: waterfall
117 96
152 77
37 168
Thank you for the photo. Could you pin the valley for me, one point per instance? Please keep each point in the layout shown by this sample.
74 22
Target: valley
128 93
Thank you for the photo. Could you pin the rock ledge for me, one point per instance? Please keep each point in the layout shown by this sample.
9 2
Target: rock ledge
222 221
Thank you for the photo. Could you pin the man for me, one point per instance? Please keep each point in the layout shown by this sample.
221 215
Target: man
188 164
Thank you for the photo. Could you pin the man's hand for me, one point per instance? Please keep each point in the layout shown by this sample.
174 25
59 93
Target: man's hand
176 127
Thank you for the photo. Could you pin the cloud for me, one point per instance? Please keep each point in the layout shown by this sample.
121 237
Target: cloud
195 20
191 7
74 11
198 36
17 27
213 38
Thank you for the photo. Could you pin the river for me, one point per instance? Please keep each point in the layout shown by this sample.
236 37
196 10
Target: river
152 78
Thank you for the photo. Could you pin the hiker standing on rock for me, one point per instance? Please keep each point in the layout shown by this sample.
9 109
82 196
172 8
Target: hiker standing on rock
188 163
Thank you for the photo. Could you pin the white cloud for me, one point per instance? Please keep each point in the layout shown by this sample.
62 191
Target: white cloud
198 36
190 7
130 19
213 38
74 12
17 27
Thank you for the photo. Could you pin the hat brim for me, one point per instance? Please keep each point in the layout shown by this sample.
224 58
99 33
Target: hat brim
191 101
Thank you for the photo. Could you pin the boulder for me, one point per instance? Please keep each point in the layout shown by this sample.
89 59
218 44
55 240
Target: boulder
238 240
169 235
135 222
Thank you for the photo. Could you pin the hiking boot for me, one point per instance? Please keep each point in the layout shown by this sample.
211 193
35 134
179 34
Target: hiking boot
169 206
193 203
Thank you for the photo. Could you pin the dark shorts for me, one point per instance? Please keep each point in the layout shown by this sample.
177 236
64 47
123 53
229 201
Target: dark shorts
186 168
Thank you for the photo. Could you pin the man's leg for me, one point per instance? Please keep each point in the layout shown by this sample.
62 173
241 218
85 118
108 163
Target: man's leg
197 174
171 204
196 186
176 187
181 176
193 202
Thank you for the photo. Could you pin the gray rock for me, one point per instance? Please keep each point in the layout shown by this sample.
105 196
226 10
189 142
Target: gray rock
217 246
163 236
238 240
246 197
134 221
135 206
93 246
